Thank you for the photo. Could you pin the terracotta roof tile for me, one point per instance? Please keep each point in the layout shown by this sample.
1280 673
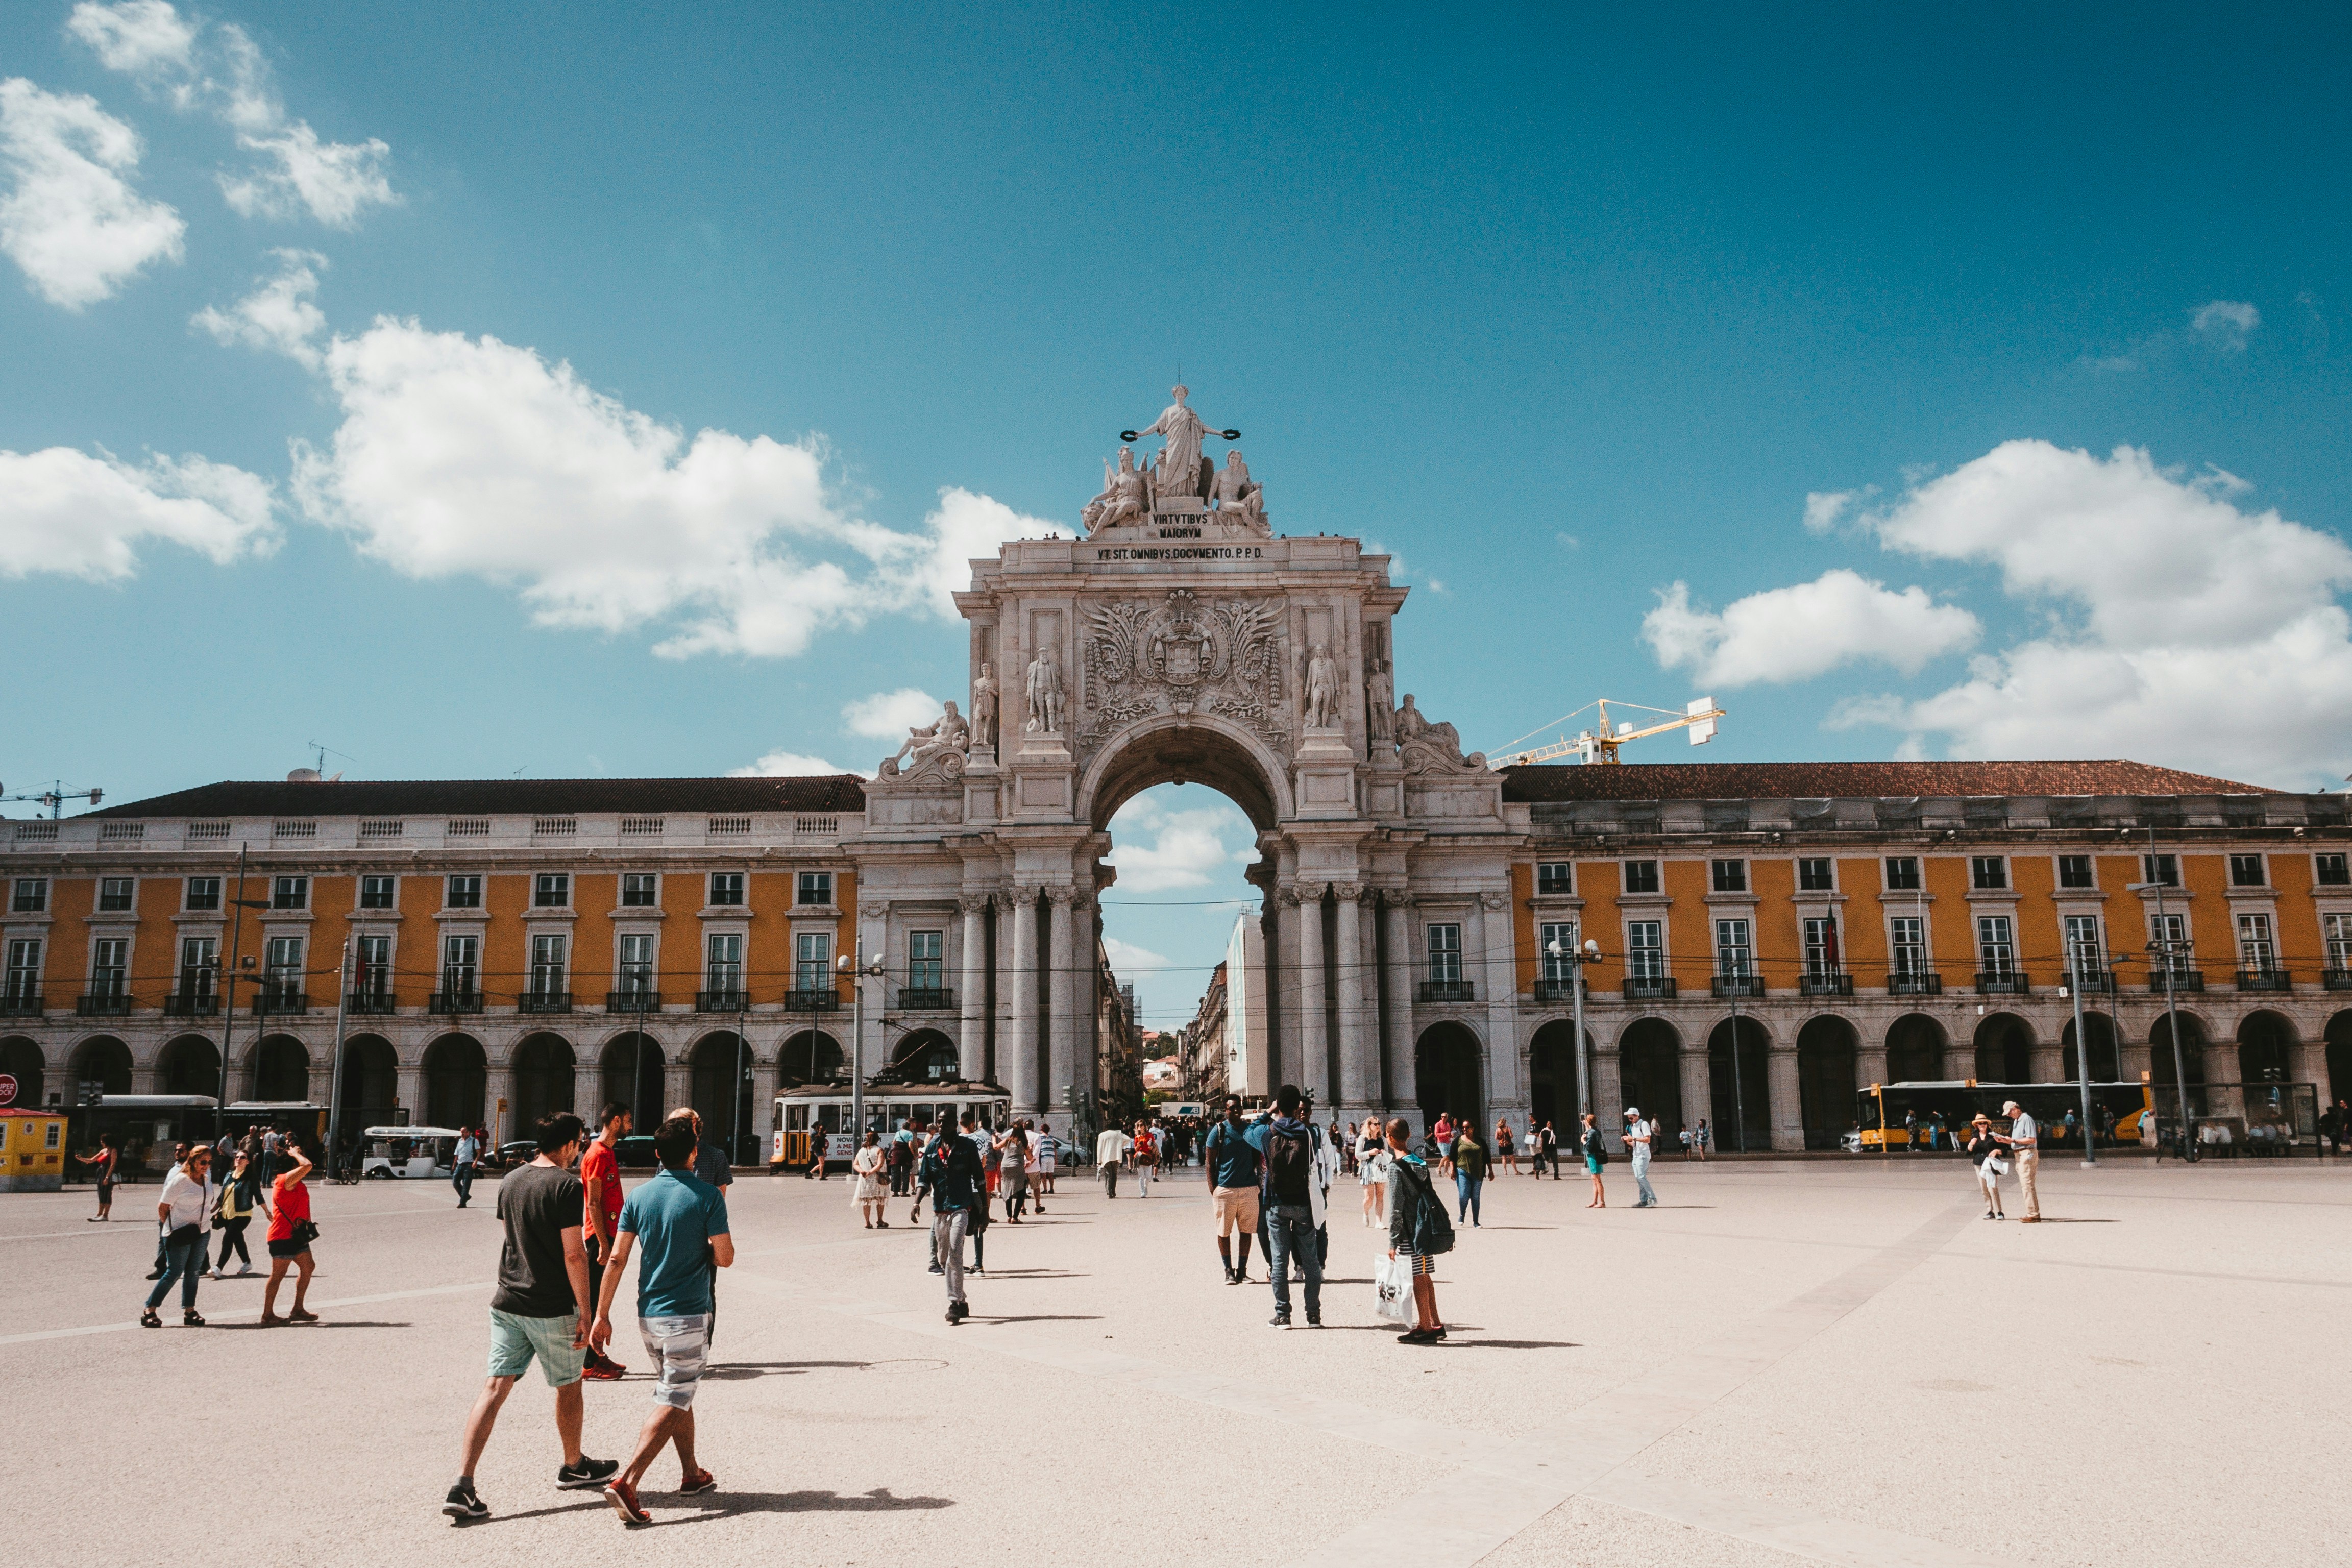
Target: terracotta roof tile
1815 781
490 797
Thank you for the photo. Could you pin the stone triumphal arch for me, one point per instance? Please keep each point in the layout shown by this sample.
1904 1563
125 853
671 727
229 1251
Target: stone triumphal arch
1180 639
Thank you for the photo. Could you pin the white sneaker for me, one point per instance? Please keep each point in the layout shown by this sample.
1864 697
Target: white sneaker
214 1273
246 1270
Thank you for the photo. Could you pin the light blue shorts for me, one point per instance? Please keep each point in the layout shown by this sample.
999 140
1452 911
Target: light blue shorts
680 1348
514 1341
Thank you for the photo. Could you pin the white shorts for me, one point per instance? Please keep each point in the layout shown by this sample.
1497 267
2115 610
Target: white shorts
680 1348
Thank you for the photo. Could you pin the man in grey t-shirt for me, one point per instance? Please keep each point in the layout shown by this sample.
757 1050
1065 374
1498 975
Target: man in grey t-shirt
540 1311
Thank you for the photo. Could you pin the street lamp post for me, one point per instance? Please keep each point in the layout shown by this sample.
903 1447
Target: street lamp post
335 1073
2162 947
2081 1047
1576 954
858 972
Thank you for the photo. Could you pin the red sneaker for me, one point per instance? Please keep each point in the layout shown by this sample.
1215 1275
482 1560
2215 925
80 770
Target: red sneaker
623 1498
601 1369
700 1481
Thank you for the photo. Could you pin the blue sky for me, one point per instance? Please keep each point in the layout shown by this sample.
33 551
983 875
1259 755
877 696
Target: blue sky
2036 316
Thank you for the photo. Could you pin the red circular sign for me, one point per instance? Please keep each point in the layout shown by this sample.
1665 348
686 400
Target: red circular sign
8 1089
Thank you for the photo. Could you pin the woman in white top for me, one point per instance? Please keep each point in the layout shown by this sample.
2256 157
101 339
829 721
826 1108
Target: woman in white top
183 1210
1531 1145
867 1189
1372 1169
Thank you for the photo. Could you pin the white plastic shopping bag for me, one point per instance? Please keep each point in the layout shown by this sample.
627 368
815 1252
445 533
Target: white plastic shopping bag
1392 1280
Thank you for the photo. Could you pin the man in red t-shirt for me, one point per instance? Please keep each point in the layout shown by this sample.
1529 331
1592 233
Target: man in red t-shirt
600 1176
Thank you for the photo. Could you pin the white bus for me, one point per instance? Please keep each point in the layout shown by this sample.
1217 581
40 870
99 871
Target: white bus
815 1117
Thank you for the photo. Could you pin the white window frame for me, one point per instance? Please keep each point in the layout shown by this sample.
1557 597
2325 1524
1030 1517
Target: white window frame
650 886
2000 863
390 893
2257 941
129 895
935 977
1734 948
2058 871
461 963
636 962
22 973
803 886
723 974
1625 878
812 959
551 890
1556 971
281 888
1886 865
282 964
188 904
1824 952
109 966
449 890
1441 946
2079 932
199 973
1907 946
737 883
1566 880
1828 860
2337 929
551 962
29 896
1645 949
371 965
1996 944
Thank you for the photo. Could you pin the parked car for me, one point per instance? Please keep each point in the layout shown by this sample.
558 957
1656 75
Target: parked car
513 1155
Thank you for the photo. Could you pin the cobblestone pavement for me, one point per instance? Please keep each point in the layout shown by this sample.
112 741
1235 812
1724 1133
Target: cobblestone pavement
1786 1362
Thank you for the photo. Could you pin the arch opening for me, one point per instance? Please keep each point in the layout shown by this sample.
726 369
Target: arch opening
189 1064
1739 1098
371 1087
1448 1074
1825 1079
1551 1078
2105 1057
2339 1060
281 1069
630 1075
812 1056
1914 1050
102 1063
723 1062
1649 1056
2265 1049
21 1059
544 1082
456 1078
2004 1049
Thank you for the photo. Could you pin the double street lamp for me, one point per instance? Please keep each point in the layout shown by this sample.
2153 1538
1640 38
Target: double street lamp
1573 956
857 971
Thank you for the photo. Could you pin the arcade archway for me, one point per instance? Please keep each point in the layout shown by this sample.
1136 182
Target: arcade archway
1551 1079
1649 1056
812 1056
2339 1058
722 1063
2004 1049
2104 1059
1740 1098
1825 1085
371 1087
189 1064
543 1069
1449 1075
21 1059
2265 1049
630 1071
924 1056
103 1063
1914 1050
281 1069
456 1078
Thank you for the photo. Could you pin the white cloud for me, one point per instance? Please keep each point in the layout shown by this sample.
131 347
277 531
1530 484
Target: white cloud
1796 633
2187 631
1156 847
788 765
2225 323
279 315
1129 960
461 456
66 511
69 217
1824 508
219 70
889 715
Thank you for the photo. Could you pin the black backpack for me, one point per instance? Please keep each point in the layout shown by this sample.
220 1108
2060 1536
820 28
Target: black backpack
1289 1166
1433 1229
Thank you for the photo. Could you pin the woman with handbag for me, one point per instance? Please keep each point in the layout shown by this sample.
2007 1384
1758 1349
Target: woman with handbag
180 1211
239 1196
1984 1149
1410 1192
109 1156
1596 1154
865 1188
1372 1169
290 1235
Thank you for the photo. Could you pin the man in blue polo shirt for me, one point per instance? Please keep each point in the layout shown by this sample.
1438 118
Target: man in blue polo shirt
680 1222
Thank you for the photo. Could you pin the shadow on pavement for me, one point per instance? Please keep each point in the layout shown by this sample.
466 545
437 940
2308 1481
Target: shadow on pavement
323 1323
878 1500
1040 1317
733 1370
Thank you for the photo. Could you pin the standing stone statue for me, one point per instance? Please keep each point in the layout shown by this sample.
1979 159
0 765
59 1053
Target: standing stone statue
1380 711
984 709
1044 690
1178 470
1322 690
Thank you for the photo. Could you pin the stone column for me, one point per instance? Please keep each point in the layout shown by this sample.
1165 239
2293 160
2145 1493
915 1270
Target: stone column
2222 1066
1000 1019
410 1075
1608 1100
1063 993
1698 1090
2050 1058
873 940
1314 1053
1505 1090
1396 976
1787 1111
971 1046
1017 1059
1869 1063
1360 1063
497 1084
677 1086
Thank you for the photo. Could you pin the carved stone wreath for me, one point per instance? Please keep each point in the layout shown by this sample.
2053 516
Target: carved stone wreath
1181 654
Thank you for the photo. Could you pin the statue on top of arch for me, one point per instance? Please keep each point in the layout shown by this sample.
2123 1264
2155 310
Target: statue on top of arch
1432 748
939 747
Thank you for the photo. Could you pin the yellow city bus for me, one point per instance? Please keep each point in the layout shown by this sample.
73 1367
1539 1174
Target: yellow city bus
1942 1108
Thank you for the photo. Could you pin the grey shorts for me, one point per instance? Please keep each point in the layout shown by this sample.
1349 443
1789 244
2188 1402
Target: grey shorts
680 1348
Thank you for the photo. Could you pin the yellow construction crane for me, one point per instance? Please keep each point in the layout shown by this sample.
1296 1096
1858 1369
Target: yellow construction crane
1600 743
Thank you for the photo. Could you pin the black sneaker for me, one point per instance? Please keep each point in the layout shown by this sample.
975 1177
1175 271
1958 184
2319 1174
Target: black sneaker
463 1503
587 1473
1314 1323
1279 1320
936 1269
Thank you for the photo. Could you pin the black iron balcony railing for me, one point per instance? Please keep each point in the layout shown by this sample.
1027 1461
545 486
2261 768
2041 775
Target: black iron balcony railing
1555 991
1738 985
727 999
455 1001
1825 983
1652 988
369 1001
2097 981
1914 982
25 1004
2182 980
925 998
2002 982
2334 979
1448 991
191 1001
642 999
543 1002
826 1000
277 1000
2265 980
108 1003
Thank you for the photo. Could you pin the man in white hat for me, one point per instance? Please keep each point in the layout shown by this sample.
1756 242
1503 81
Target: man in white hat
1638 1134
2024 1140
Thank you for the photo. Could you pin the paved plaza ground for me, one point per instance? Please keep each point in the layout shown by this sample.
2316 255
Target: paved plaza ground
1797 1362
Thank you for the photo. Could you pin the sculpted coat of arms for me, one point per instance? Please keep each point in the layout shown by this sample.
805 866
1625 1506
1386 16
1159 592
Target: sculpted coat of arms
1181 654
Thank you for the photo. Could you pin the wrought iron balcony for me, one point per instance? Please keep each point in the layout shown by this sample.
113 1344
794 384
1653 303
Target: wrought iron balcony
454 1002
825 1000
378 1002
1446 991
2182 980
191 1003
23 1004
1827 983
642 1000
2002 982
1555 991
103 1005
733 1000
2265 980
275 1001
2334 980
543 1002
926 999
1914 982
1738 985
1657 988
2096 981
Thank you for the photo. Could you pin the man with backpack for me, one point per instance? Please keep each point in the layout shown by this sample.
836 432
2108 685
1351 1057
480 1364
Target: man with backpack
1292 1197
1235 1170
1419 1231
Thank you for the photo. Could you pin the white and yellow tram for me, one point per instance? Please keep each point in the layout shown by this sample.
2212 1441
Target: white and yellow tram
816 1118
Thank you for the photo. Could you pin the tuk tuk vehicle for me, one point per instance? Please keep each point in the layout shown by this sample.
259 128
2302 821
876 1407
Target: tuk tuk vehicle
400 1152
